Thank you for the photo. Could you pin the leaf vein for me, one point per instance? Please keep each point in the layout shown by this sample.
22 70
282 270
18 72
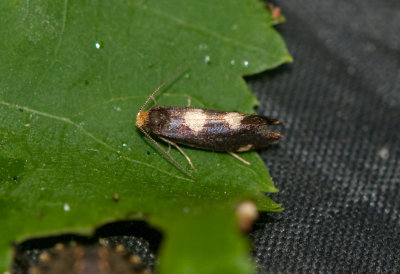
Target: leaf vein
89 134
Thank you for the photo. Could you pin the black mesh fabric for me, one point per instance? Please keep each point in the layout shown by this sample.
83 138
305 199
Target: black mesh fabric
338 167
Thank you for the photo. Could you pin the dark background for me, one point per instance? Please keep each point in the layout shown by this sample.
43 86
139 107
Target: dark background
338 167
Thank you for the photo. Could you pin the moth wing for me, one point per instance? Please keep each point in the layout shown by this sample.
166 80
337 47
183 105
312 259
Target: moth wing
258 120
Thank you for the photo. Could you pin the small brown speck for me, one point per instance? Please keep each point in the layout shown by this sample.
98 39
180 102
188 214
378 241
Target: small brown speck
34 270
45 257
115 197
59 246
120 248
275 11
135 259
103 242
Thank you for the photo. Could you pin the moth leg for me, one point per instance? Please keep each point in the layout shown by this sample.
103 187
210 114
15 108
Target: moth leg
239 158
189 101
165 152
169 148
180 150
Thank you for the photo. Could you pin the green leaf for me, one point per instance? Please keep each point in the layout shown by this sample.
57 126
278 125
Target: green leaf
74 74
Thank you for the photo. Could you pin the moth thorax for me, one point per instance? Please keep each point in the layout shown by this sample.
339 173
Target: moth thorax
142 118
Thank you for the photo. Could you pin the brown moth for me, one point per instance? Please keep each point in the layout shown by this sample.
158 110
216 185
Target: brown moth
205 128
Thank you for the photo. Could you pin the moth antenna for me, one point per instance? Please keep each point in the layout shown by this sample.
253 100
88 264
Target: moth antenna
166 154
163 84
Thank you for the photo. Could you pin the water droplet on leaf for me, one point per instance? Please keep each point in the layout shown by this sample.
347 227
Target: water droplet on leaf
66 207
99 45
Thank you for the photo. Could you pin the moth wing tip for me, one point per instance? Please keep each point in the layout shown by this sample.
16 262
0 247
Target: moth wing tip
274 122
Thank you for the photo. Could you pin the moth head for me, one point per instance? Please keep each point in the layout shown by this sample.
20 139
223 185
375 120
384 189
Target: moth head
157 118
142 118
153 120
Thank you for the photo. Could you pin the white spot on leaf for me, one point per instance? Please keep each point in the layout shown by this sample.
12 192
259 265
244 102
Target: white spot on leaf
66 207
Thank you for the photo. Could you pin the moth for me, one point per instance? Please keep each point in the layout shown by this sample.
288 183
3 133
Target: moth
206 129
